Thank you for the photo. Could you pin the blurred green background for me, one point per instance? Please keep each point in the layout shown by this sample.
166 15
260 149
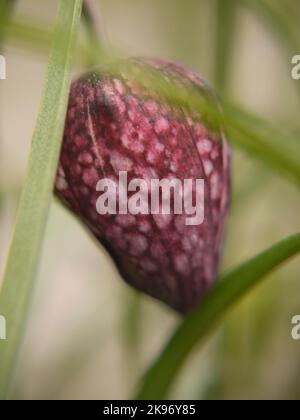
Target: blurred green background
89 334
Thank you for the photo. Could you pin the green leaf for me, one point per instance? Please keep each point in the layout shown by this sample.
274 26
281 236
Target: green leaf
241 132
197 326
284 23
37 190
5 10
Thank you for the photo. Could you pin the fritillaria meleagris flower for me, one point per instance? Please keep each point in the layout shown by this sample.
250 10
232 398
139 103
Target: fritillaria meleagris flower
115 124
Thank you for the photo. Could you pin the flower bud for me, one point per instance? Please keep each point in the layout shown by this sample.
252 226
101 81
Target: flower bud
149 179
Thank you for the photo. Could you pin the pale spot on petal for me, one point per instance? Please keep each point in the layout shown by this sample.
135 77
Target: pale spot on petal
61 184
125 220
161 125
120 162
215 186
208 166
144 226
181 263
151 106
90 177
138 243
148 265
119 86
162 220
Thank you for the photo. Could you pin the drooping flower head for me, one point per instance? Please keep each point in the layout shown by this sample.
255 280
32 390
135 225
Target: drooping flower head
117 125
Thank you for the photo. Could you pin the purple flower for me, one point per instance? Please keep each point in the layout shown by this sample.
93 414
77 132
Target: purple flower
115 126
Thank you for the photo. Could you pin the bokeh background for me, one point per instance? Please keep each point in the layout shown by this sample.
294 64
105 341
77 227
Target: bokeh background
89 334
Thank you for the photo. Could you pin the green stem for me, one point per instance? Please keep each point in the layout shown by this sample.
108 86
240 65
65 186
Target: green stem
36 195
225 31
200 323
93 21
95 31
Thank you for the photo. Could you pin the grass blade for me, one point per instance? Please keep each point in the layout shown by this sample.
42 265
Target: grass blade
241 131
284 24
5 10
200 323
283 20
22 32
6 7
262 144
225 33
37 190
